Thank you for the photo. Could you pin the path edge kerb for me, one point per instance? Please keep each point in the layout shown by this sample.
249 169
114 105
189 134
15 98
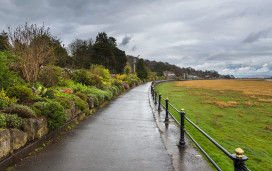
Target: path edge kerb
23 152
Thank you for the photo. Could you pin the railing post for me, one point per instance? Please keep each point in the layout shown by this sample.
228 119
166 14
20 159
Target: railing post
159 107
239 160
155 97
166 110
181 140
152 91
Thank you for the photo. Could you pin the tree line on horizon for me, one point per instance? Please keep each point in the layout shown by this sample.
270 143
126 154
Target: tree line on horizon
160 67
43 48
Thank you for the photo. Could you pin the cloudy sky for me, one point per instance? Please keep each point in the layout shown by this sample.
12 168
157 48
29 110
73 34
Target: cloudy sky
230 36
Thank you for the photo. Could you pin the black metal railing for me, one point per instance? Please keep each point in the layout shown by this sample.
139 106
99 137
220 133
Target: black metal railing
238 158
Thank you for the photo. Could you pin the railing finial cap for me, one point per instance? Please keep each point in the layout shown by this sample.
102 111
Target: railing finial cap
166 98
239 152
182 110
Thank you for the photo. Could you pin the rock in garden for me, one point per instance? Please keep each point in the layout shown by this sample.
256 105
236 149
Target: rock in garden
17 139
4 142
41 127
28 127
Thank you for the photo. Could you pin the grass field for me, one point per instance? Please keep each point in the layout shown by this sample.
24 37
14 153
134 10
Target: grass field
236 113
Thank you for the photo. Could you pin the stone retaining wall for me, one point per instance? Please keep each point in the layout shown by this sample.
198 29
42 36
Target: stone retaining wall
31 130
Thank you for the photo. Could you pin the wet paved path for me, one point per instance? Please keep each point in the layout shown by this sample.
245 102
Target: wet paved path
122 136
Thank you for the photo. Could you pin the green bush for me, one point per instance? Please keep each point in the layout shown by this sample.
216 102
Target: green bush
97 92
3 123
82 96
64 101
50 75
107 94
101 71
94 97
82 105
118 83
13 121
54 112
65 82
20 92
21 110
5 100
38 107
85 77
7 77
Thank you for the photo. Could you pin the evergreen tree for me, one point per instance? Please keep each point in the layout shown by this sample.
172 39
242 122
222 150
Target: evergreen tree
3 41
141 70
107 54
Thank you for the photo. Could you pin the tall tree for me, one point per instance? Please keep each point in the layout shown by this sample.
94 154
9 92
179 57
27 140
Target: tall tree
102 38
107 54
82 52
103 55
61 54
141 70
3 41
32 44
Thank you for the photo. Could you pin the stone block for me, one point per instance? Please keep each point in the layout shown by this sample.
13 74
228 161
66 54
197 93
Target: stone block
41 127
18 139
29 127
4 142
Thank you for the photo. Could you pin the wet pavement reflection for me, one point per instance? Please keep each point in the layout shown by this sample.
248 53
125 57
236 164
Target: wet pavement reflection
183 159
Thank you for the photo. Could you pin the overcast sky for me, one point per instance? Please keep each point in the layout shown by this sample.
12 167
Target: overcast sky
230 36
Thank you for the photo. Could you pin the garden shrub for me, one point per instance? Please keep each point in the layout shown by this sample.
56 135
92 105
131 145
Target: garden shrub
95 98
97 92
13 121
79 87
7 77
107 94
3 123
54 112
118 83
21 92
61 93
101 71
82 96
125 85
82 105
5 100
85 77
114 89
21 110
97 80
50 75
38 107
65 102
127 69
65 82
44 92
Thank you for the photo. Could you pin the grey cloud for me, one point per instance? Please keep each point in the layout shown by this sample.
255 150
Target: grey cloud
252 37
125 41
188 33
134 48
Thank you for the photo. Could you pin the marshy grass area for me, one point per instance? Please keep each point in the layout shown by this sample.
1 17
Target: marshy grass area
236 113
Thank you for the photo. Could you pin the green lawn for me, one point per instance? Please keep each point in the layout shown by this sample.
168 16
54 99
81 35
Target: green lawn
247 124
